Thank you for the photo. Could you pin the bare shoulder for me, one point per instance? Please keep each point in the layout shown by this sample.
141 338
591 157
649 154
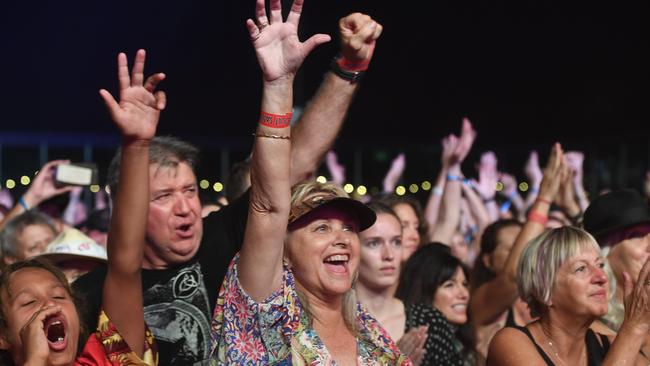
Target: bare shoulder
511 347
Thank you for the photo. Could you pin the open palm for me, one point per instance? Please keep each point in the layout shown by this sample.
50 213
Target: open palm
137 113
279 51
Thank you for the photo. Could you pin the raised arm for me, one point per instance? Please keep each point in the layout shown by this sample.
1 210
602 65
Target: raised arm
432 209
136 116
394 173
323 117
449 215
495 296
575 160
43 187
280 54
487 183
534 174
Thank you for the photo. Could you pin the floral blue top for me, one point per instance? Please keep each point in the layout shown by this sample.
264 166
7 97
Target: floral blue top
277 330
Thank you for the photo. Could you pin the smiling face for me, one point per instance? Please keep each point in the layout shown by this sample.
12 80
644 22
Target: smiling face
451 298
174 225
28 291
381 253
581 285
410 225
323 252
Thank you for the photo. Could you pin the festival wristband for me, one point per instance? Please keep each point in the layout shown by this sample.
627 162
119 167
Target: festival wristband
275 120
21 201
538 218
451 177
353 66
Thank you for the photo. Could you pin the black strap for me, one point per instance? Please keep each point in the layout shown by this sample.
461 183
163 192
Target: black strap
595 350
539 349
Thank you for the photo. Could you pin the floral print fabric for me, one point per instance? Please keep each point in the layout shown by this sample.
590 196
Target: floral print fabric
277 331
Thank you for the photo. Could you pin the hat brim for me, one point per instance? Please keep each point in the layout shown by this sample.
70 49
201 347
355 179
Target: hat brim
607 231
366 217
62 257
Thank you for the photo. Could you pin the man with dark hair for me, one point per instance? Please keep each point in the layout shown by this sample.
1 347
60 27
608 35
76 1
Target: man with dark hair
185 257
26 235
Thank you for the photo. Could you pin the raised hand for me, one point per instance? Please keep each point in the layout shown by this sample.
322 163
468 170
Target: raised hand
137 113
532 169
487 176
466 140
448 156
359 34
279 51
336 169
44 187
395 172
412 344
637 300
574 160
552 173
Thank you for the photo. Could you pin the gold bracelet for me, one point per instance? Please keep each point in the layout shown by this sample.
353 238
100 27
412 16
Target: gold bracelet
267 135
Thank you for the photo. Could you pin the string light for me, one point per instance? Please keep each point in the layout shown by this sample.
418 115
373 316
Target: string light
204 184
400 190
107 189
94 188
499 187
413 188
348 188
10 183
426 185
362 190
24 180
218 187
523 186
321 179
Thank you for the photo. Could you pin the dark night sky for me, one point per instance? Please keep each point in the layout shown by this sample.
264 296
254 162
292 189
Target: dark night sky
526 72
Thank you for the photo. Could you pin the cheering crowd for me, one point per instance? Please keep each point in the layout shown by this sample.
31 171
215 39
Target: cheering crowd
291 271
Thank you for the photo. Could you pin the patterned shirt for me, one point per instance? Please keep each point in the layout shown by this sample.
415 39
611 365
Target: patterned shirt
106 347
277 331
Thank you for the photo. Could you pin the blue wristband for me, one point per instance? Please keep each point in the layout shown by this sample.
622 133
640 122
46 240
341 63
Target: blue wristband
505 206
451 177
21 202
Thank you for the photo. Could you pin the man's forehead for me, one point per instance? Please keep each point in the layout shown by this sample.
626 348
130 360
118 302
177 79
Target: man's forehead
171 170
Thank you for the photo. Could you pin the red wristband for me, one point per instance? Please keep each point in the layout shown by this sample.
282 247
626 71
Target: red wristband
348 65
537 217
543 200
275 120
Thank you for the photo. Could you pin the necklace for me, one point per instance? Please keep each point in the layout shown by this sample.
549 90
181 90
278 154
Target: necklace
555 350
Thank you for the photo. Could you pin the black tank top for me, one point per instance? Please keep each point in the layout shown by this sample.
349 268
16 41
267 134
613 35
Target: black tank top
595 351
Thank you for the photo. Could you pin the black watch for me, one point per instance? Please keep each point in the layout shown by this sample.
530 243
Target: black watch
351 76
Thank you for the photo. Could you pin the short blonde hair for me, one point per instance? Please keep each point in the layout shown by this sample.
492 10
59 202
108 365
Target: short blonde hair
542 257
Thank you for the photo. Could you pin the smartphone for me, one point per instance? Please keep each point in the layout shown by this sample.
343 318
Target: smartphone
76 174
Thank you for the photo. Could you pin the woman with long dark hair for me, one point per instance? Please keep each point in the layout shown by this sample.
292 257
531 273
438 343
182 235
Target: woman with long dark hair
433 286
